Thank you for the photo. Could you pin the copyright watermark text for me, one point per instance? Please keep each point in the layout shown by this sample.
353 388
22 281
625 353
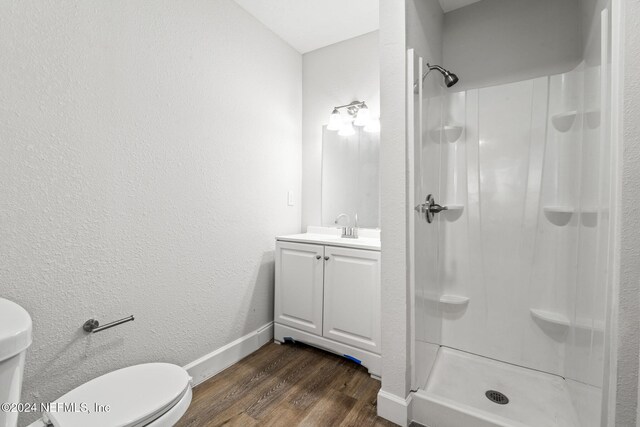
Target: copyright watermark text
24 407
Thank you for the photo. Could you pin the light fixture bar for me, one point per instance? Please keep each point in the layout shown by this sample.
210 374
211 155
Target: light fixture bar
353 107
354 104
359 115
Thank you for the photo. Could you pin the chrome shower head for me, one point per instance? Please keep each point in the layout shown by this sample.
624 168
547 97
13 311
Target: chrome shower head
449 78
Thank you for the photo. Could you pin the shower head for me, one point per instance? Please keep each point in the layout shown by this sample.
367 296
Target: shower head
450 79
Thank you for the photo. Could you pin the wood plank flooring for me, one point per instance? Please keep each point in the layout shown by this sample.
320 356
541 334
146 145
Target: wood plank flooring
287 385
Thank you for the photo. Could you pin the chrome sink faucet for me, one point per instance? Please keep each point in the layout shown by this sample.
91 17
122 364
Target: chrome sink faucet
348 232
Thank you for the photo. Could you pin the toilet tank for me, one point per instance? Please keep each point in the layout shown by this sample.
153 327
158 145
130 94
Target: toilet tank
15 338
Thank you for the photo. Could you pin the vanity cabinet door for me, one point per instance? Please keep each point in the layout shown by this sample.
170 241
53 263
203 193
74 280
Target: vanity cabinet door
352 297
298 291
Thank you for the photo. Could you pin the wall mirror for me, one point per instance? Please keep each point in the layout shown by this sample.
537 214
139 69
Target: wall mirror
351 177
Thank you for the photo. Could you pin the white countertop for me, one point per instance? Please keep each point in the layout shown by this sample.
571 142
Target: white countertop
367 238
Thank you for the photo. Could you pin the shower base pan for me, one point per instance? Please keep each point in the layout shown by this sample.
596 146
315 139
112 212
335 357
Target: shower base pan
461 387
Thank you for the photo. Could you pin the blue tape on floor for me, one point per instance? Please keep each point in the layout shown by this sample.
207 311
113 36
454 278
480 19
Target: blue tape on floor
353 359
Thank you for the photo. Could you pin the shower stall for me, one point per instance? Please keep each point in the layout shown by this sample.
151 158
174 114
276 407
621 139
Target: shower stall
511 240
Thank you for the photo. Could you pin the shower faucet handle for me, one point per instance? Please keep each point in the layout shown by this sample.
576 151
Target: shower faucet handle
436 208
429 208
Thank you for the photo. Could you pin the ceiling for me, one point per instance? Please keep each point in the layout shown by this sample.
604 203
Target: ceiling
311 24
449 5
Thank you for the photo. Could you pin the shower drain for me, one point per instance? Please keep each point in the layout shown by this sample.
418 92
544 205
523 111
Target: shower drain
497 397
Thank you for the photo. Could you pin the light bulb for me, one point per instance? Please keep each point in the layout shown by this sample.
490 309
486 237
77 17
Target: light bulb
372 126
347 130
363 116
335 120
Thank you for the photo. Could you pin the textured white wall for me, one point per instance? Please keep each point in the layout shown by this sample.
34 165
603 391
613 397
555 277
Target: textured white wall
146 152
331 76
629 298
402 24
394 342
425 21
500 41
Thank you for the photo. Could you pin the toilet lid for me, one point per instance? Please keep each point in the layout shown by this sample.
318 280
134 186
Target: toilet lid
136 396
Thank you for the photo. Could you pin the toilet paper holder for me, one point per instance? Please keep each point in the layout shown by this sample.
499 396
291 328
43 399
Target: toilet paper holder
93 326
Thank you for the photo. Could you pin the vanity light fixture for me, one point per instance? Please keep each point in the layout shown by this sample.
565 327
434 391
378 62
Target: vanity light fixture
358 115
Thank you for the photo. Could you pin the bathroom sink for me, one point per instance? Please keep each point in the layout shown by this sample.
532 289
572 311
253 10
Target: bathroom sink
368 238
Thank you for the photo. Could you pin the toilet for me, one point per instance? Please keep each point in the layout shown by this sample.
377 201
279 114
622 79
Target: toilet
149 395
15 338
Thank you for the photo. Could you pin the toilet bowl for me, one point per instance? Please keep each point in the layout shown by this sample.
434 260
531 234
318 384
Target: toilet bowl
15 338
149 395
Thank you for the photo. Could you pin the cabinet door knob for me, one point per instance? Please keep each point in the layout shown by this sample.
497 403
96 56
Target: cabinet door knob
318 256
326 258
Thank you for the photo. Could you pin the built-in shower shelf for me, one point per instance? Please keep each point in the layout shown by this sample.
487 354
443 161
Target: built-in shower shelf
551 317
564 121
454 300
559 215
564 322
450 133
559 209
572 210
453 212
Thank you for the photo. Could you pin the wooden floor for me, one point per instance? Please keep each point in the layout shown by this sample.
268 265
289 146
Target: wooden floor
287 385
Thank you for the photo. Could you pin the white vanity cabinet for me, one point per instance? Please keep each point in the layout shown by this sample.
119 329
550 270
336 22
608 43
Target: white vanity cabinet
327 294
299 278
352 297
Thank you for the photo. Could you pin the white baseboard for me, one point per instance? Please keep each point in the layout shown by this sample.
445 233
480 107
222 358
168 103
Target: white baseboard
217 361
394 408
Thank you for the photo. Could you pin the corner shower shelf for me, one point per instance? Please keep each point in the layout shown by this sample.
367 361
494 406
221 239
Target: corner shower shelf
559 215
454 300
559 209
551 317
451 133
564 322
572 210
564 121
453 212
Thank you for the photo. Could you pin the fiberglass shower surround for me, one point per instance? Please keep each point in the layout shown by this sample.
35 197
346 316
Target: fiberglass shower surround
515 269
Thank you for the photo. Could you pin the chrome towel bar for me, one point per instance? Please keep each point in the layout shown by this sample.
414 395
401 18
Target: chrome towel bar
93 326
